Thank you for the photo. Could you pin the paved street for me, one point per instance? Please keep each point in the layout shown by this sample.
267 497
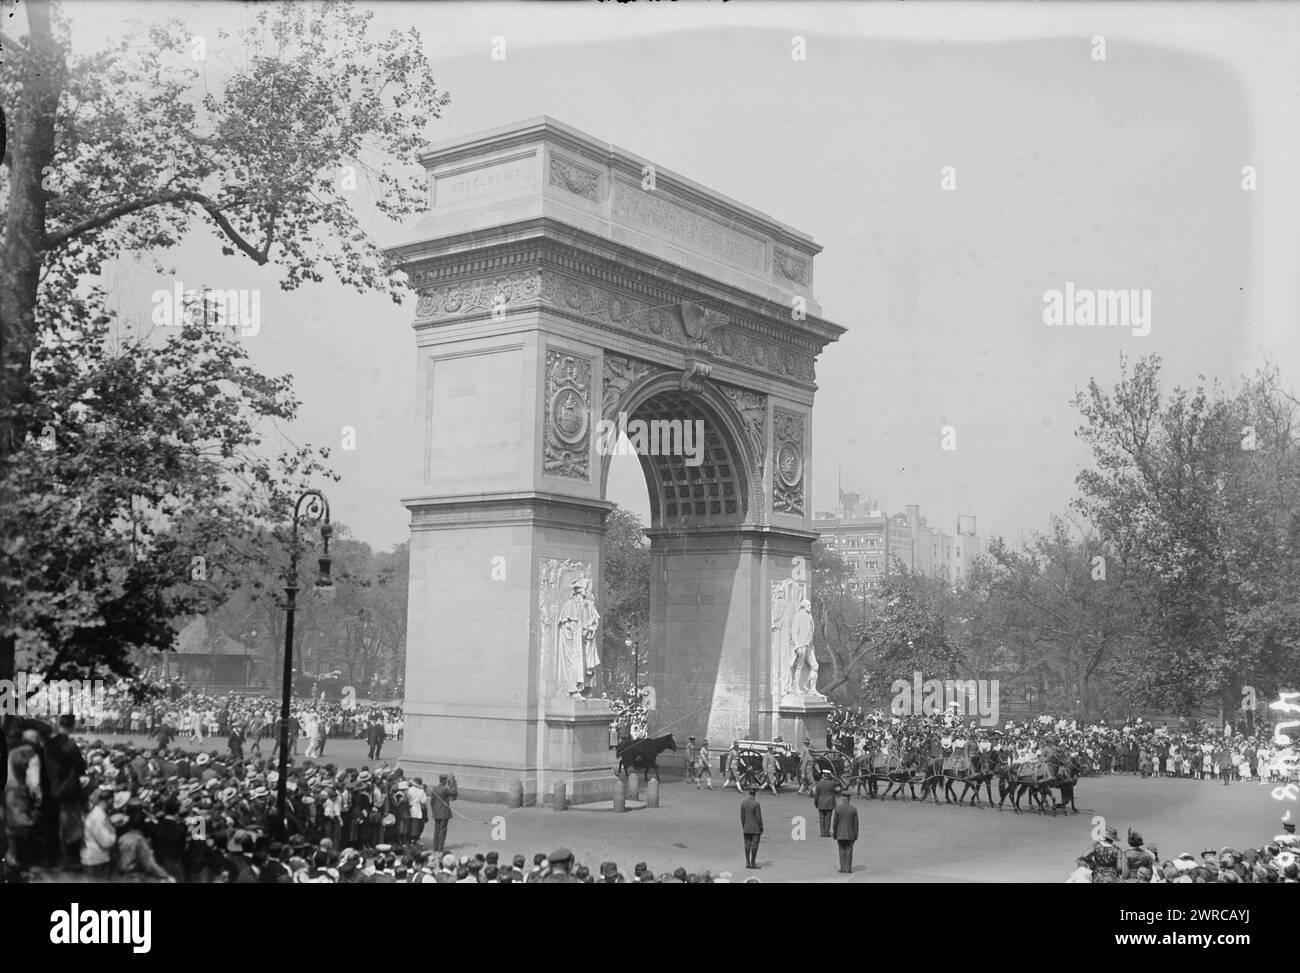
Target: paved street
900 842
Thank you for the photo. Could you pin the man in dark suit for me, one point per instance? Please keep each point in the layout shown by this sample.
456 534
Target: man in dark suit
375 738
751 825
63 766
440 798
824 800
169 838
844 825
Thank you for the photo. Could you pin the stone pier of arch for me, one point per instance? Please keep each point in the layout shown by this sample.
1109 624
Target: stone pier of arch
556 288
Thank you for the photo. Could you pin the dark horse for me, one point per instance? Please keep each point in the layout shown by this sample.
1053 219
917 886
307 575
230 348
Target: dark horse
641 755
970 769
897 771
1036 777
1067 775
984 767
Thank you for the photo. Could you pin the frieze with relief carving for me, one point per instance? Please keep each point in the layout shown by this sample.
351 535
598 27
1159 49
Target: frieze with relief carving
574 178
791 267
712 331
666 322
788 462
566 444
465 298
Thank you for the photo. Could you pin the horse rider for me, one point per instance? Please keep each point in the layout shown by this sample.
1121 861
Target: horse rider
1051 754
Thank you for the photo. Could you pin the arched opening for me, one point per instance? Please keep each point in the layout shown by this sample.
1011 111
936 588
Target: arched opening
696 468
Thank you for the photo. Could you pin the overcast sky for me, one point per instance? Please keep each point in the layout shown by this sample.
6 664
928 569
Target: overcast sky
1122 173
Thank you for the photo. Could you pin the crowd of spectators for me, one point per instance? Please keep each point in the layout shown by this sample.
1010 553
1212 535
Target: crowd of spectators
1275 861
153 705
1187 749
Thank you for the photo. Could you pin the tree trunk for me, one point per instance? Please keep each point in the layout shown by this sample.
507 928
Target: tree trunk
41 71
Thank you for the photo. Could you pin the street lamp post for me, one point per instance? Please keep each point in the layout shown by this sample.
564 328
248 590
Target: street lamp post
318 509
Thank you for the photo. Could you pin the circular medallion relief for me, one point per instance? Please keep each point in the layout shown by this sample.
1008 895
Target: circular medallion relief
569 415
789 464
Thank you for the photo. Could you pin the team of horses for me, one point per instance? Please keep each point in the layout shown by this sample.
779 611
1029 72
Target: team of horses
929 768
1049 783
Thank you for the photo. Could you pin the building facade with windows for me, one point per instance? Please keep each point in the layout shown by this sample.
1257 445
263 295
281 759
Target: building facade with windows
874 543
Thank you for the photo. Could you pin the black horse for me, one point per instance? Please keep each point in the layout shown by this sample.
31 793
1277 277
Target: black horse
640 756
1067 775
1033 777
897 771
984 766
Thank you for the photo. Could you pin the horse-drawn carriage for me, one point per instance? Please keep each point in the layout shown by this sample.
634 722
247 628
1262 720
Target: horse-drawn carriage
750 773
748 766
837 763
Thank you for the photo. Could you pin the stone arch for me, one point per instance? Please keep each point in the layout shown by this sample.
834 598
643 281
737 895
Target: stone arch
555 292
726 487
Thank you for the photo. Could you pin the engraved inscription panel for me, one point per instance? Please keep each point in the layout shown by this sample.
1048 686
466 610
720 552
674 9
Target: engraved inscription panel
518 175
645 207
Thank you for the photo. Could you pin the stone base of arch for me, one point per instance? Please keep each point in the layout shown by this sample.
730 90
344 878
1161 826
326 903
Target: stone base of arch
711 653
480 702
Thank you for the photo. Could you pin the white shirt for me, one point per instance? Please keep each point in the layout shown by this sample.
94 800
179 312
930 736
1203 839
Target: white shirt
417 799
100 838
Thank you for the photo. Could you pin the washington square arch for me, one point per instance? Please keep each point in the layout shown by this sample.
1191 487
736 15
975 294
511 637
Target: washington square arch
563 281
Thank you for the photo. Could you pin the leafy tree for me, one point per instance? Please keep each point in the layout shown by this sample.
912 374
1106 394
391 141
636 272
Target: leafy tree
120 152
1199 491
143 498
1066 608
838 607
625 601
358 630
872 638
908 629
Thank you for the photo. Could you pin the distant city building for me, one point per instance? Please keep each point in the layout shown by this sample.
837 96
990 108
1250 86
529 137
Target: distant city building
874 543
